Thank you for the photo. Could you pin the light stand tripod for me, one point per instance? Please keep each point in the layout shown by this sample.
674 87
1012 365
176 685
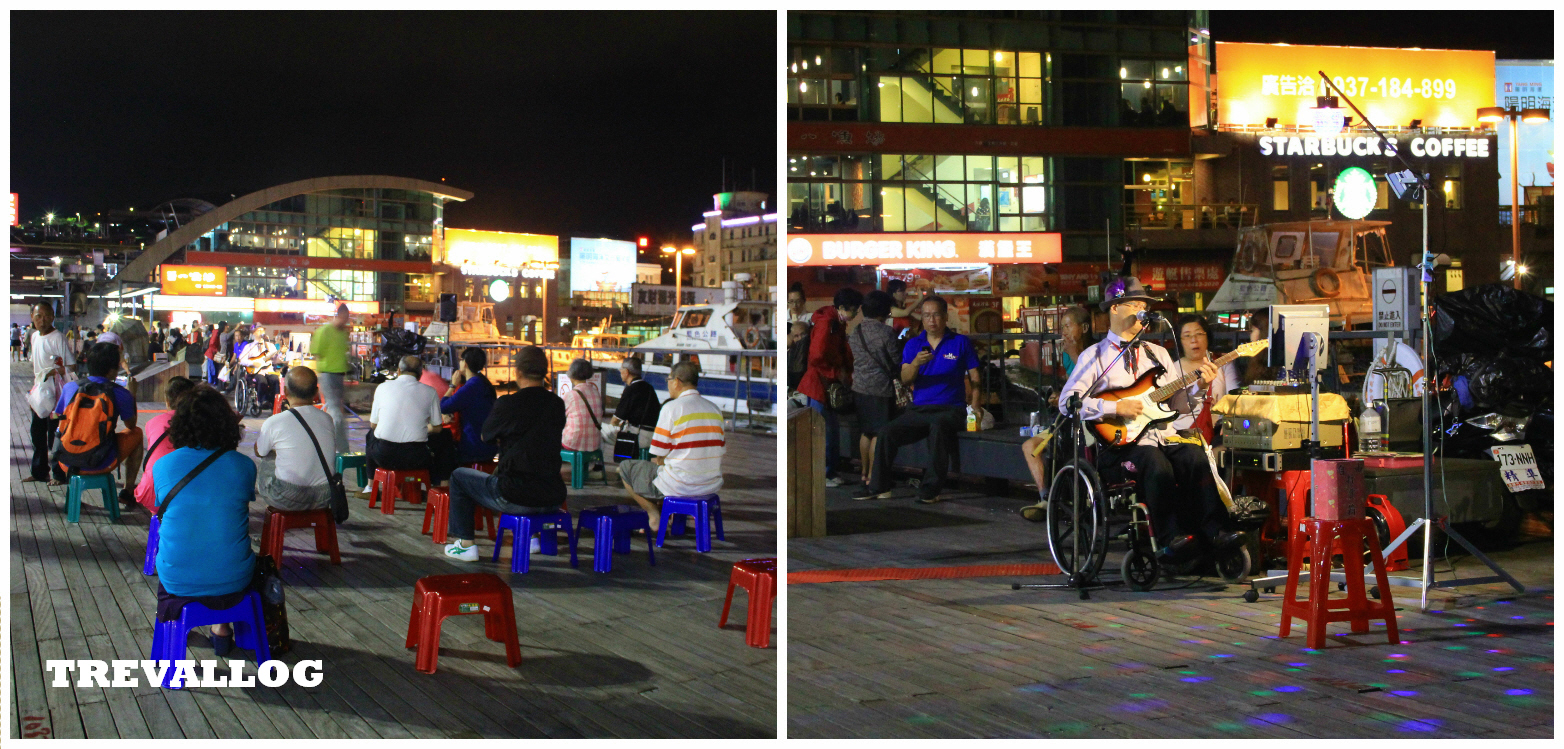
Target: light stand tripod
1423 186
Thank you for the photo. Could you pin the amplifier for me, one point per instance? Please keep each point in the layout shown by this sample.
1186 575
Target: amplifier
1252 433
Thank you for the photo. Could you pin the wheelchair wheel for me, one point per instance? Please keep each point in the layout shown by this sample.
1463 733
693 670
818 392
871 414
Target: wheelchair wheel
1139 568
1234 567
1075 479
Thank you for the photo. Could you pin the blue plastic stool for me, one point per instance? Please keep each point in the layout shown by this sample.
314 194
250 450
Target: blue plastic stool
150 568
611 532
81 483
705 510
169 638
522 527
579 461
358 462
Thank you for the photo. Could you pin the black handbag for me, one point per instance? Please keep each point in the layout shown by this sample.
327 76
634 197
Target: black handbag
339 493
628 445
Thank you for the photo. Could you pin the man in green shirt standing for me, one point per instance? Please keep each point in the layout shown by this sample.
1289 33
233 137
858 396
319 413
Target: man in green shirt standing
329 346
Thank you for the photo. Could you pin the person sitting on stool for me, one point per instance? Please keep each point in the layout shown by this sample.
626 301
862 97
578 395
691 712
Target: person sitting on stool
1175 478
687 448
527 424
937 364
402 421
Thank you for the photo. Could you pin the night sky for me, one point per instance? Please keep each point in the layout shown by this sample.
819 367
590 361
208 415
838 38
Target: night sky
608 124
1514 35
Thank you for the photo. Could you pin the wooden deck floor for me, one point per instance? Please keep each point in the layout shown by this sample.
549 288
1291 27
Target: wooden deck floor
635 653
972 658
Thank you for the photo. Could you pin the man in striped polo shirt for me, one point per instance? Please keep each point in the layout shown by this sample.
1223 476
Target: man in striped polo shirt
686 450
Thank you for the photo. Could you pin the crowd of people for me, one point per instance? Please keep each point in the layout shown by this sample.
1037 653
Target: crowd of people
204 552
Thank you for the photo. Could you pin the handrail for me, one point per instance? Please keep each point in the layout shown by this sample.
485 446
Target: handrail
1205 216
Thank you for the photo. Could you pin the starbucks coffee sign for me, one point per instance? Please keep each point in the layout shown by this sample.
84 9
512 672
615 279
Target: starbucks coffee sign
1430 146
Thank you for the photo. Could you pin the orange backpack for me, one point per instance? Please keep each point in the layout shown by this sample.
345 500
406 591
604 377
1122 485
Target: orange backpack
86 433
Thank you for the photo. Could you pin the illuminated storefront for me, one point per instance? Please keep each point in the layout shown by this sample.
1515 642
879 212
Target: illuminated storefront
1279 156
513 272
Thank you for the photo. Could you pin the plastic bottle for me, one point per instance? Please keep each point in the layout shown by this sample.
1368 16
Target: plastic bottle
1370 430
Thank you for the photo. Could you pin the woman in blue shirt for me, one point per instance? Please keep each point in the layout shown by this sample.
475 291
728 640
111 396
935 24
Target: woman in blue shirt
203 550
471 397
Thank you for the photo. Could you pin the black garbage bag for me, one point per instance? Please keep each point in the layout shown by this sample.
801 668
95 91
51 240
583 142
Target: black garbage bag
1493 319
401 343
1509 385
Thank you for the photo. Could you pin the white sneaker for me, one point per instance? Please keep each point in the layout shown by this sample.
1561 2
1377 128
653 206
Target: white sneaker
464 553
833 482
537 545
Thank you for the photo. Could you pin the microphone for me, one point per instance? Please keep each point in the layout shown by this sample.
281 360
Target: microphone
1148 318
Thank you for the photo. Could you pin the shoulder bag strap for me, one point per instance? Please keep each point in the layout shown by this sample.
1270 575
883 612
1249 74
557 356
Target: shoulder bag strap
584 402
318 452
153 448
192 474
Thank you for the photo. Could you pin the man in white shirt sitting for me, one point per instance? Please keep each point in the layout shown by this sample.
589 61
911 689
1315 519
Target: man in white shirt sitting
405 412
293 477
1174 479
687 448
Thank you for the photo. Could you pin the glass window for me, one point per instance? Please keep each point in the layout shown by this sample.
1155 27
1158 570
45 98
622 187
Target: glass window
1319 190
980 169
1451 185
948 168
1135 70
1280 184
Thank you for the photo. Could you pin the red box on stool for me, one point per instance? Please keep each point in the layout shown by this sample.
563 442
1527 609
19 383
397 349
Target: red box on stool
1339 492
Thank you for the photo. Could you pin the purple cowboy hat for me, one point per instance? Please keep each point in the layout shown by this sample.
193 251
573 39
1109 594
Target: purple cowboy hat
1125 289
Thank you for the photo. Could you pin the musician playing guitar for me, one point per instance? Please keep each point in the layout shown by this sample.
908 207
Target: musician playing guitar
259 357
1175 479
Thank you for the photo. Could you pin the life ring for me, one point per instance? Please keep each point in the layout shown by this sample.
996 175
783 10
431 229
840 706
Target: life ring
466 327
751 338
1316 282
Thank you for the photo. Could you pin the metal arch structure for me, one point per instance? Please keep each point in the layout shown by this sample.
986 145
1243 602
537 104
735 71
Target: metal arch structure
145 264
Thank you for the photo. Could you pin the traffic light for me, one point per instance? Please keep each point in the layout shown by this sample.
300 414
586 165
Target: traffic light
643 242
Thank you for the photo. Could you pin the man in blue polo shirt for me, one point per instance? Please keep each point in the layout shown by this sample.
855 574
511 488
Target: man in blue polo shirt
103 361
941 367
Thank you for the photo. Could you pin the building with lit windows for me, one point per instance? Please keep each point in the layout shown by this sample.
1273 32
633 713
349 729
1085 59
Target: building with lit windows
353 238
737 236
985 121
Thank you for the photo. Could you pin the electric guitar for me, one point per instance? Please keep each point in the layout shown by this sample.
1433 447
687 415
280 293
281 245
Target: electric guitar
1117 430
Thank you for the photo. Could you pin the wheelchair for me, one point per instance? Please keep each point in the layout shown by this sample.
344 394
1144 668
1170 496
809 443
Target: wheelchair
247 395
1084 513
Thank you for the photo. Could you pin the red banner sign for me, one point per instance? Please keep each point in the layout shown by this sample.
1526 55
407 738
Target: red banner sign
1177 277
925 248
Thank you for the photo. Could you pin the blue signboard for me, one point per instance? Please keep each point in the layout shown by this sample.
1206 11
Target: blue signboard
1526 84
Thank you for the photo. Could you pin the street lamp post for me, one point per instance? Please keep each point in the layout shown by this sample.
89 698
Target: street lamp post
678 272
1494 115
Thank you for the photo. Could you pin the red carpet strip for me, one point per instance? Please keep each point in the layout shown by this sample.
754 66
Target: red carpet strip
920 573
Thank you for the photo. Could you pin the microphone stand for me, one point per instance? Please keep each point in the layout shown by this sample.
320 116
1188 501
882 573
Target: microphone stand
1079 579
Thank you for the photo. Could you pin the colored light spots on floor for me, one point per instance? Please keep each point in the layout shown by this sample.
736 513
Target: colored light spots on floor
1422 726
1223 655
1299 665
1517 692
1518 617
1470 674
1264 718
1404 693
1288 689
1195 679
1189 672
1493 634
1455 647
1504 668
1458 624
1395 671
1071 727
1227 725
1294 669
1262 692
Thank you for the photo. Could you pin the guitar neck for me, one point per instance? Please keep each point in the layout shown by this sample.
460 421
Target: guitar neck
1167 391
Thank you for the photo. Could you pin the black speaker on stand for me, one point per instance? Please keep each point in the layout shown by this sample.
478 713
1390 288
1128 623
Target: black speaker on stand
447 308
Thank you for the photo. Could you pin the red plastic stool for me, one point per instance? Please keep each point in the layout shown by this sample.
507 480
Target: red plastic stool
391 484
1324 537
437 514
279 522
440 596
759 577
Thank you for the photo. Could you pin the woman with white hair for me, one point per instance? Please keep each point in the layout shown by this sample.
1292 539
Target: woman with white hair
637 411
582 420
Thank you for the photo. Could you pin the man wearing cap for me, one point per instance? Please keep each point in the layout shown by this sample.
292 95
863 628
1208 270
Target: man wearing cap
1175 478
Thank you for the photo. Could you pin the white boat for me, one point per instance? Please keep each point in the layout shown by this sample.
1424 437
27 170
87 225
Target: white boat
738 385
